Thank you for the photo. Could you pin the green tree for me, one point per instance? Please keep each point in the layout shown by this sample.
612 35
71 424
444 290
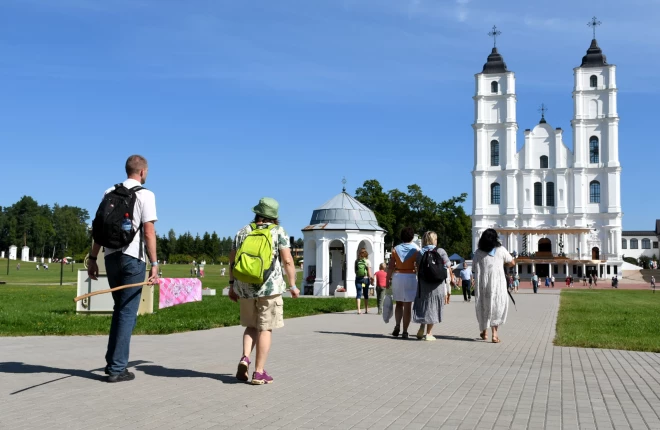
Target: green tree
171 243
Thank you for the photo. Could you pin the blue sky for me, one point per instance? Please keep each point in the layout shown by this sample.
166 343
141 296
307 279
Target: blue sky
233 100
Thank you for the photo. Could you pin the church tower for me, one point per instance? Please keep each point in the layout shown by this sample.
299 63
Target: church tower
595 124
495 155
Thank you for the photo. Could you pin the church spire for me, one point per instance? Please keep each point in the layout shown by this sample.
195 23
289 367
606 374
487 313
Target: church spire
495 62
595 56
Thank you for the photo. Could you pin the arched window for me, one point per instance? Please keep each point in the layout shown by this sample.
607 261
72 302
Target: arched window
550 194
538 194
495 194
593 81
646 243
494 153
544 161
624 243
493 87
593 150
594 192
633 244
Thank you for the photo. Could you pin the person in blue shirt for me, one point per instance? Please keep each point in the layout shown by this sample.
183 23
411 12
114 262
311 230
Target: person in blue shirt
466 282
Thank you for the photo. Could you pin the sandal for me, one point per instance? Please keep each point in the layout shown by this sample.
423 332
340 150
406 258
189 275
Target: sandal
496 340
483 336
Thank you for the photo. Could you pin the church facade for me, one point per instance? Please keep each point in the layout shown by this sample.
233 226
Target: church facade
558 209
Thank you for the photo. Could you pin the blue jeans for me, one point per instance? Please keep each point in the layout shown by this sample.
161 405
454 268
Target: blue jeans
122 270
362 291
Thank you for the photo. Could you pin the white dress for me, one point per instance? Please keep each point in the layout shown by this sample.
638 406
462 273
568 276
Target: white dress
492 301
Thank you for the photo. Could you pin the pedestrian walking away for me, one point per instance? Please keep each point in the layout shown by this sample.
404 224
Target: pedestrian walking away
552 281
125 259
381 285
547 282
466 282
535 282
492 301
363 278
433 278
401 276
259 287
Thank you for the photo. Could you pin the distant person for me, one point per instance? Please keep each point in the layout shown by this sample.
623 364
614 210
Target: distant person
552 281
362 279
584 280
222 272
261 305
535 282
615 282
547 282
195 271
516 281
127 265
653 282
37 266
45 266
381 285
201 271
466 282
568 281
401 275
492 302
591 281
18 266
430 298
595 280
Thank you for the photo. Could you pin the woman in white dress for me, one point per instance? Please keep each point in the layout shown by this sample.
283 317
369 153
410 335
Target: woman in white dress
492 302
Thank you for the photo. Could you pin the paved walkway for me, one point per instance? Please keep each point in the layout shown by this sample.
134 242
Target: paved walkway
338 371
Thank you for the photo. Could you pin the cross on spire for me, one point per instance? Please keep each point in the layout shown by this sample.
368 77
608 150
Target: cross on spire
343 181
593 24
494 33
543 109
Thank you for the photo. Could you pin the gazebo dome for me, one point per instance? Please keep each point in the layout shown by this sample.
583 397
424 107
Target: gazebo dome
343 212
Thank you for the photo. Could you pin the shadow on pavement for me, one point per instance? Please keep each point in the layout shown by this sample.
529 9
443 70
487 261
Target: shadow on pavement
164 372
17 367
388 336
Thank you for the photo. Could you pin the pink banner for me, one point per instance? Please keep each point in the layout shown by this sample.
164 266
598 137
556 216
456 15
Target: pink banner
176 291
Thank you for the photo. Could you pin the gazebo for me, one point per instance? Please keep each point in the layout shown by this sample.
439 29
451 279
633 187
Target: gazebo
337 230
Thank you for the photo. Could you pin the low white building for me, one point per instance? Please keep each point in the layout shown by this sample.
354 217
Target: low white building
12 252
337 231
638 243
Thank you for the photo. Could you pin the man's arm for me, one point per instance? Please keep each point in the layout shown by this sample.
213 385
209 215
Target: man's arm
92 267
289 268
150 241
232 260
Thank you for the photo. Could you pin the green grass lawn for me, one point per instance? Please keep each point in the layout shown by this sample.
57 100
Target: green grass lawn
609 319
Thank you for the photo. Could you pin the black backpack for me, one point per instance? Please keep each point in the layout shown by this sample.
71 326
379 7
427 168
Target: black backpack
432 269
106 227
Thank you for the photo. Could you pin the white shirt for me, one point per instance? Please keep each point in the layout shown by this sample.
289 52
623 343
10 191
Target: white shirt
144 211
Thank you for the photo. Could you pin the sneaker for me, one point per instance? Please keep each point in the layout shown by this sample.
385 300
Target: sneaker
429 337
396 331
106 370
261 378
122 377
420 332
242 373
405 335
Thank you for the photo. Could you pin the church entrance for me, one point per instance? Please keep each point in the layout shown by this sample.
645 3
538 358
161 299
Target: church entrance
595 253
542 270
337 266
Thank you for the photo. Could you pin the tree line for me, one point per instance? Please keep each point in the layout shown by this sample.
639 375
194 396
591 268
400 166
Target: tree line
47 231
395 209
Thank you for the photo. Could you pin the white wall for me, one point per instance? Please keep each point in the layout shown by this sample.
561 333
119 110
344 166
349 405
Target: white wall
636 253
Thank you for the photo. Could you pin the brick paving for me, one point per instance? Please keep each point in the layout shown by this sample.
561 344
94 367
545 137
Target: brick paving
338 371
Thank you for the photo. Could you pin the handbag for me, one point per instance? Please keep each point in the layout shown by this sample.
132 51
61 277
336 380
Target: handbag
388 306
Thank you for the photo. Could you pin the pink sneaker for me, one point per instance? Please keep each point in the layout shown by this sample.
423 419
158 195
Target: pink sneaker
243 369
261 378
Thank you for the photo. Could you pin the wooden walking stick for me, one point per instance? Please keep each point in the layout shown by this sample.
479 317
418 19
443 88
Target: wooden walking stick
84 296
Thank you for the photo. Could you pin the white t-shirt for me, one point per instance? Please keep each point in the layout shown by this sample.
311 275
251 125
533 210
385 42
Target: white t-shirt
144 211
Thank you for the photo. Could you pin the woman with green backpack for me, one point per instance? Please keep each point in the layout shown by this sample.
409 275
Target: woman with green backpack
363 278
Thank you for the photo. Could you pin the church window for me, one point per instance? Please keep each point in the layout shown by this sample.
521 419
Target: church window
495 194
624 243
493 87
494 153
655 244
633 244
544 161
550 194
594 192
593 81
538 194
646 243
594 155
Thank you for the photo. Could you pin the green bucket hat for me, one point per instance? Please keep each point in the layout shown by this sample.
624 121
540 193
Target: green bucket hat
267 208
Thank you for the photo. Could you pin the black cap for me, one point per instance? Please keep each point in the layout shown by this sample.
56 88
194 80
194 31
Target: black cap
495 63
594 57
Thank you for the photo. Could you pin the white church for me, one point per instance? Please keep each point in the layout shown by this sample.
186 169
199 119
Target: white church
559 210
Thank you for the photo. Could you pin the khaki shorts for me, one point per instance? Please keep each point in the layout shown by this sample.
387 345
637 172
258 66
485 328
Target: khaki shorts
263 313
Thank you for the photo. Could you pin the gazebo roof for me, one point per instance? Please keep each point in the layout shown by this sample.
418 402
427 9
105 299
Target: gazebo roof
343 212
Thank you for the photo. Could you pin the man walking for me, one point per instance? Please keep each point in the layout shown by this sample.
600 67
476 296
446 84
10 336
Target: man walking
466 282
552 281
127 265
261 304
535 282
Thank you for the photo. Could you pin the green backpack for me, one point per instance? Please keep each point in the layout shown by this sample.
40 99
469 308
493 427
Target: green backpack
254 259
361 268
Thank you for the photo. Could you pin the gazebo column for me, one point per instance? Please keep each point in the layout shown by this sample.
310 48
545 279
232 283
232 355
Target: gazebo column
322 282
584 270
352 243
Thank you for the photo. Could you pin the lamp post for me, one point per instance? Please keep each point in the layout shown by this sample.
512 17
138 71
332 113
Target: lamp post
7 261
62 266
